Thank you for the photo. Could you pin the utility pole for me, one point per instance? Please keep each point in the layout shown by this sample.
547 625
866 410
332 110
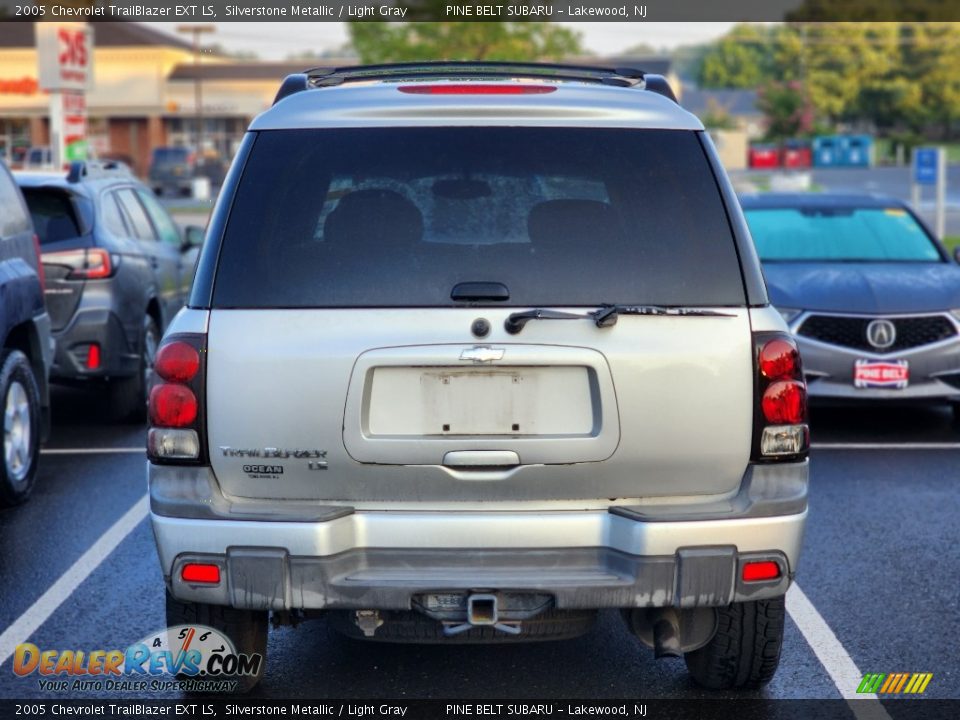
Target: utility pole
197 31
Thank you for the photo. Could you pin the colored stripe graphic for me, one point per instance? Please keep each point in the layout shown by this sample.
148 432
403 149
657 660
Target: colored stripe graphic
894 683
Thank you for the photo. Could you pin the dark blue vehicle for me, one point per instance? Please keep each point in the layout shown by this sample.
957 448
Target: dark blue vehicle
872 296
26 349
117 270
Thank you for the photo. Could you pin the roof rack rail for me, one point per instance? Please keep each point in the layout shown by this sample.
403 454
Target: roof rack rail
328 77
80 169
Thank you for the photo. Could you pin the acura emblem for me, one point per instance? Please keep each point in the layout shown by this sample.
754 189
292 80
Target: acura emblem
881 334
482 354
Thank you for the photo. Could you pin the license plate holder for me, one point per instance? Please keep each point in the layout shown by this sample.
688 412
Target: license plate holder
889 374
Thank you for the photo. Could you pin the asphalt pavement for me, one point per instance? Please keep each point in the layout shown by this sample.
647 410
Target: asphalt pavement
877 588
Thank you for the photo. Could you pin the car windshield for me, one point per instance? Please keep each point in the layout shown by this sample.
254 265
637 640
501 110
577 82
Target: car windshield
395 217
170 156
831 234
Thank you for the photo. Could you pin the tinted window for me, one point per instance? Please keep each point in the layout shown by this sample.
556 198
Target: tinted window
54 215
13 218
166 228
111 215
397 217
844 234
136 216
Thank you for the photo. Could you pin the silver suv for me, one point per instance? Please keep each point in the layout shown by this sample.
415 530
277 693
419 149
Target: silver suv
473 352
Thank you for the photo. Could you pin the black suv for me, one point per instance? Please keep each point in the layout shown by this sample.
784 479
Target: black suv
117 269
25 346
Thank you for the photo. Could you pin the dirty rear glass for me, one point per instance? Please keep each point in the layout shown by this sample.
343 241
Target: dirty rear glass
393 217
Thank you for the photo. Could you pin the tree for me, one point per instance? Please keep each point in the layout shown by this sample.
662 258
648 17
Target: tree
738 60
379 42
787 108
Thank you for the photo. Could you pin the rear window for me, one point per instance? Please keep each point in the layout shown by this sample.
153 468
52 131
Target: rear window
54 215
840 234
379 217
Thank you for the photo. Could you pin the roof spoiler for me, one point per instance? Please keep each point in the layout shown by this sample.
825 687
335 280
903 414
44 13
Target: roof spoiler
80 169
329 77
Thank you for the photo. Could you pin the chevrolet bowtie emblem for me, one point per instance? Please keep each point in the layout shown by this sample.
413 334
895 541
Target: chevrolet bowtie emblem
482 354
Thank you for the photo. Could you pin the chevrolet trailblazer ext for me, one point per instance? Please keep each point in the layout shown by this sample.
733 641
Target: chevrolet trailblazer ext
474 351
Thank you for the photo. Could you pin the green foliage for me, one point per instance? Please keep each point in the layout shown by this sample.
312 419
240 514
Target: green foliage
379 42
893 76
787 109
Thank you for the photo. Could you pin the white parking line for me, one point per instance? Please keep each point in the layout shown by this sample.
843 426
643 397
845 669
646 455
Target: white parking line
833 656
37 614
885 446
91 451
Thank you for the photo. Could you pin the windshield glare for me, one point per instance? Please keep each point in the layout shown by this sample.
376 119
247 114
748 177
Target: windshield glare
840 235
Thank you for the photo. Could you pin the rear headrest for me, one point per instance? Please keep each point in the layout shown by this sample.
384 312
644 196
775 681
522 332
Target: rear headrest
374 216
560 222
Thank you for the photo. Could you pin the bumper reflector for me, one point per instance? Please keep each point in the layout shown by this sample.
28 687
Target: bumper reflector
784 440
196 573
762 570
173 444
93 357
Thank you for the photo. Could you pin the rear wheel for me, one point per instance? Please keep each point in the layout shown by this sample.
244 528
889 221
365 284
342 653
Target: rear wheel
247 629
128 396
745 651
20 397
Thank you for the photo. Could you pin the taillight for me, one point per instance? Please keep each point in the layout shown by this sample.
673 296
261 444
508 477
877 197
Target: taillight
477 89
780 418
84 264
40 271
176 414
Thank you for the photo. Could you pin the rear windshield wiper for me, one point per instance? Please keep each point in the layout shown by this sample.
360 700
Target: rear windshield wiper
605 315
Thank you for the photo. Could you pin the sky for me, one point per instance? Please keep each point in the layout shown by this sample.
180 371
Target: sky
277 40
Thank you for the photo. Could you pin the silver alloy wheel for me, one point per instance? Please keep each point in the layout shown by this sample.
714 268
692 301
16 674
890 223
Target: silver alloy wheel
150 342
17 425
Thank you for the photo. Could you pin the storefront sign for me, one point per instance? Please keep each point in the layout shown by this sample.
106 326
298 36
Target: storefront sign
65 56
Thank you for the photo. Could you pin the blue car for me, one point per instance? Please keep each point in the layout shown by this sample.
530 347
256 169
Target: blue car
871 295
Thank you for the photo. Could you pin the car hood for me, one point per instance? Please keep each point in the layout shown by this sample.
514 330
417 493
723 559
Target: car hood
864 287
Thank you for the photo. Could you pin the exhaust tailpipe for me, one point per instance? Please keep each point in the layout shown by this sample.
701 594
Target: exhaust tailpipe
666 633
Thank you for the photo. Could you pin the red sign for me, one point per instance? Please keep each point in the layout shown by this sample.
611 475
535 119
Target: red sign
870 373
65 55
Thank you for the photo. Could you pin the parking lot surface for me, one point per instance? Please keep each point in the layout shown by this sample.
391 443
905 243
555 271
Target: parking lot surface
877 587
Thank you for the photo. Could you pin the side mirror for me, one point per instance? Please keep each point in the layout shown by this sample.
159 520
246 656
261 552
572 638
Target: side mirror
956 253
192 237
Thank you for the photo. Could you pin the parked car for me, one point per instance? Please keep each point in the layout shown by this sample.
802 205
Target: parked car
26 348
117 269
872 296
173 170
474 351
38 158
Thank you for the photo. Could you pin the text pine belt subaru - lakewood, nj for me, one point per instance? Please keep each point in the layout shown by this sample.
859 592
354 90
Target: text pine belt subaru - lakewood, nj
474 351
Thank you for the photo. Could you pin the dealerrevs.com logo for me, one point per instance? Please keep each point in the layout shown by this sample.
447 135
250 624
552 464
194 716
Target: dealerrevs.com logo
202 659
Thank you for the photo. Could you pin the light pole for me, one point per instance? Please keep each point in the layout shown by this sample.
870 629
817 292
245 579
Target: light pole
197 31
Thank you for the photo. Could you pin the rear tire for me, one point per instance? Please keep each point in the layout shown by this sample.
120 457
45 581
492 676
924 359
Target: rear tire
248 629
20 403
745 651
128 396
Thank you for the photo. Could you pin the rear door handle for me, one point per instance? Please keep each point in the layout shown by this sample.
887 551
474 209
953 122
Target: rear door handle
481 458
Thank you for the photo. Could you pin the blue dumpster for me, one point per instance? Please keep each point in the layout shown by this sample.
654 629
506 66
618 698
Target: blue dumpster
856 151
826 151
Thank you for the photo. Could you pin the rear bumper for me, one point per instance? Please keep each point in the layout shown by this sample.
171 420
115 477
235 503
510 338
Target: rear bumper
322 557
393 579
94 325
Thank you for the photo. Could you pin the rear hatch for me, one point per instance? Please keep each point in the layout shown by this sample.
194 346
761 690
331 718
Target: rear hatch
363 340
63 222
